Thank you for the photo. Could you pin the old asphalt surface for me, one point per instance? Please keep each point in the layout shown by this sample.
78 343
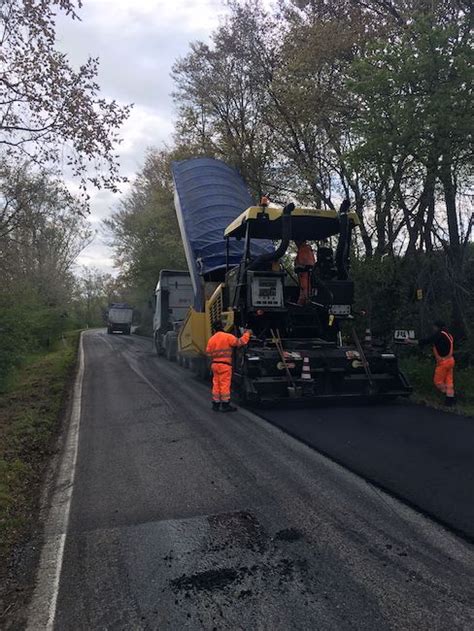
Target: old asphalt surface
182 518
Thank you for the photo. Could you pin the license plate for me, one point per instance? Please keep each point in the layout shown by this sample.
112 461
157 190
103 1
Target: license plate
403 334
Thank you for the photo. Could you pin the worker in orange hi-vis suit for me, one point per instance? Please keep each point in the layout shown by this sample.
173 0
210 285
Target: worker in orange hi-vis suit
304 264
219 349
443 351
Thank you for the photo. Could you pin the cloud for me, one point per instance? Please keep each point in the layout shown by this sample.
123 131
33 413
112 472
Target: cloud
93 256
137 42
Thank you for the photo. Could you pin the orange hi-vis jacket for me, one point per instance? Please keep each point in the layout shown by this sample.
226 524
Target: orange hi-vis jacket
305 256
220 345
440 358
444 372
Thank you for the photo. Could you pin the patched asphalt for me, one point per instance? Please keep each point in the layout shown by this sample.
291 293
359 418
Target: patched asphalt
186 519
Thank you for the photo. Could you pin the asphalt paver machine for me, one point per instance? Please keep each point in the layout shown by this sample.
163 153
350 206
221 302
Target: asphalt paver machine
310 350
240 264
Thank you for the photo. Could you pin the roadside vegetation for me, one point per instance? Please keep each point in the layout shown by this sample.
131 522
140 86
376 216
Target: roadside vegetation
30 410
420 369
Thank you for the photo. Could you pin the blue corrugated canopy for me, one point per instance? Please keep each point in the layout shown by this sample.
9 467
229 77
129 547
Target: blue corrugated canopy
209 195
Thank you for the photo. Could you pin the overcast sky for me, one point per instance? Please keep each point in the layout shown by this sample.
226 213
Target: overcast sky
137 42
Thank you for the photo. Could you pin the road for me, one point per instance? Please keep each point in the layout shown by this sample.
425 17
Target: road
182 518
421 455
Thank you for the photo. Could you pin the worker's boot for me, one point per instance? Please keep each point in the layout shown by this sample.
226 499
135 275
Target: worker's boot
216 406
227 407
449 402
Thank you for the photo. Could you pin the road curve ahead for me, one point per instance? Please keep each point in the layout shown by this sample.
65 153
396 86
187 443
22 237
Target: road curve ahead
182 518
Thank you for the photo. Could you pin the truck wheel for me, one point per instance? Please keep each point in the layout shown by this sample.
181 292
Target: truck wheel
109 330
157 344
200 369
171 346
170 350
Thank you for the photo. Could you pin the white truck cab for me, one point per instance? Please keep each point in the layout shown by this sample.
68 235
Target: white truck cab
173 297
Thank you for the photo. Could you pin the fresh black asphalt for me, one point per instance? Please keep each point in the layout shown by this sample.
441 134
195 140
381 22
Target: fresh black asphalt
182 518
421 455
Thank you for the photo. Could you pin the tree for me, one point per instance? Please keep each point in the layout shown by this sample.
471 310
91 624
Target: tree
311 106
222 97
267 97
94 291
366 99
49 112
41 236
144 229
416 110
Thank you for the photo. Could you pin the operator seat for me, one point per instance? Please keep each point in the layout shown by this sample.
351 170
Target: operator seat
325 268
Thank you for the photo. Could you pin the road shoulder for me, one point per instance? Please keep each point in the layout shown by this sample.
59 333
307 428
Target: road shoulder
38 407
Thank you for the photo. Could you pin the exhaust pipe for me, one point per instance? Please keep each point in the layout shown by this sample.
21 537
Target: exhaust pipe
285 241
342 250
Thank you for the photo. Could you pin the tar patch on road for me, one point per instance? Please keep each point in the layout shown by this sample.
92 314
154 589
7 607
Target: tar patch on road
210 580
289 534
240 535
239 529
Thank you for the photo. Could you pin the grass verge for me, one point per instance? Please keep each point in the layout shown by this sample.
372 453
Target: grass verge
30 411
419 371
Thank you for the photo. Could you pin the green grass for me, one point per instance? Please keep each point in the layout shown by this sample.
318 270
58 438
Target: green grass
30 409
419 371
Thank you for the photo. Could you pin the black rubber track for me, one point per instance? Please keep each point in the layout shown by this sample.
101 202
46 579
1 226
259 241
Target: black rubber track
423 456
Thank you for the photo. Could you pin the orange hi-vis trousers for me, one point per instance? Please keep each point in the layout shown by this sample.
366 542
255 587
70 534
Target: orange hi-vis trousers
444 371
221 382
444 376
304 279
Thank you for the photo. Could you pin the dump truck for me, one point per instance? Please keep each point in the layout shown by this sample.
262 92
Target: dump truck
308 351
173 297
119 318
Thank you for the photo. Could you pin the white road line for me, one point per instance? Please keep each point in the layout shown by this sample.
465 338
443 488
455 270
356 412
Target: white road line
42 609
